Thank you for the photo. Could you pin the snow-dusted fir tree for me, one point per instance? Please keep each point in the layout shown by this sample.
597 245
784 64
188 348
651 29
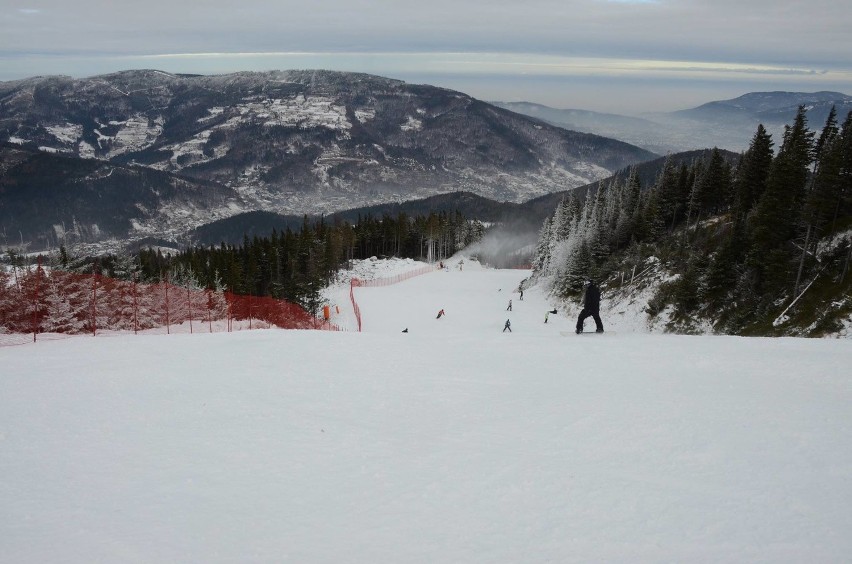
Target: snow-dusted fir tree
67 303
187 298
122 296
8 299
564 218
150 309
630 199
543 250
217 303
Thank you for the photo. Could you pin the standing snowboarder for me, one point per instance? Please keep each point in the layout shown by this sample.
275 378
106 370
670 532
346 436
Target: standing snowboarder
591 307
509 308
508 326
522 295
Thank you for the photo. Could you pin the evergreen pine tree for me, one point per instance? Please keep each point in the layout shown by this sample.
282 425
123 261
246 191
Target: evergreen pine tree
66 303
777 214
669 201
712 191
626 222
844 206
542 257
752 173
824 197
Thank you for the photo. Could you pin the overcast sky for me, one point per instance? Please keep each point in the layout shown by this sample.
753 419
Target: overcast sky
620 56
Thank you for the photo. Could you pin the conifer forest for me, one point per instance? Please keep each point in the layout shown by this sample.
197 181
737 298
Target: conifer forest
744 245
288 265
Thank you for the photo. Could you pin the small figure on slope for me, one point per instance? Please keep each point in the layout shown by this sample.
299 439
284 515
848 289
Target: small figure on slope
405 330
522 295
440 314
509 308
546 315
591 307
508 326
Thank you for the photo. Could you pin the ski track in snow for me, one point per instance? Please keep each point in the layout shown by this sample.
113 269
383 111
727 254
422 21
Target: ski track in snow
454 442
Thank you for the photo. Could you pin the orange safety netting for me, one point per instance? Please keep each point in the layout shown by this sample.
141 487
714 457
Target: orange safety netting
54 303
375 282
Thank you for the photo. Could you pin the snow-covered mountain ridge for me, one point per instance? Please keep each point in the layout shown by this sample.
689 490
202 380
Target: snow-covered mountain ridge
305 141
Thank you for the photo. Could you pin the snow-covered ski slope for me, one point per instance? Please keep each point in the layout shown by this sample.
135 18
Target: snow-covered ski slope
453 442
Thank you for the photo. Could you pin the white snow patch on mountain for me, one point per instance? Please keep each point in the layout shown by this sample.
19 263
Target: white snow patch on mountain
135 134
86 151
365 114
302 111
66 133
194 149
412 124
214 112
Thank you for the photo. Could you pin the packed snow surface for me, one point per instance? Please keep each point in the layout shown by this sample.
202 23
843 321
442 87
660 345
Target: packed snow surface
454 442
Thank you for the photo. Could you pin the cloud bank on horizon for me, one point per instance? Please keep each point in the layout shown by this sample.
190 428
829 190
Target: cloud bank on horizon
563 53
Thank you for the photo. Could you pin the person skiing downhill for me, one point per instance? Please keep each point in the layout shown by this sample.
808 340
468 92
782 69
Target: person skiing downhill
440 314
591 307
510 306
508 326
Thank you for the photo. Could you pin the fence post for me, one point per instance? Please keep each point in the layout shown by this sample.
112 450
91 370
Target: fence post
135 306
228 303
209 309
189 306
35 300
168 326
94 299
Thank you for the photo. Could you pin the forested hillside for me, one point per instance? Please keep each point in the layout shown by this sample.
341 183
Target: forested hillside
763 247
293 265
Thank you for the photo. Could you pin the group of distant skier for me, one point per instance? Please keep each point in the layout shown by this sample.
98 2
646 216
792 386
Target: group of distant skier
591 308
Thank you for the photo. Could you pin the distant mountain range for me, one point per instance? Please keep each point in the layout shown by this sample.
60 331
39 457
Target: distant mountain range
727 124
290 142
151 156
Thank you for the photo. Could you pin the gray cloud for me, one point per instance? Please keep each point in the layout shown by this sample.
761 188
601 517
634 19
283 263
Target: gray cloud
723 30
747 37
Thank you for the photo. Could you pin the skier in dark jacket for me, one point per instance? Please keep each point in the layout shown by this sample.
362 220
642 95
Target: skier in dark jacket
591 307
508 326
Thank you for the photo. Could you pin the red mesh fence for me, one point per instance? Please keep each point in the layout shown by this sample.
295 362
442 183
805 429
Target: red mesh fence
392 279
49 304
357 282
354 303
